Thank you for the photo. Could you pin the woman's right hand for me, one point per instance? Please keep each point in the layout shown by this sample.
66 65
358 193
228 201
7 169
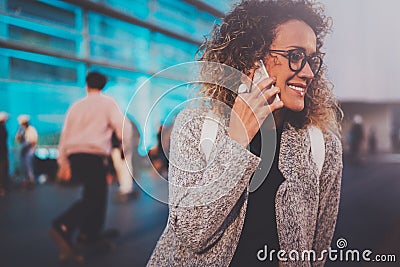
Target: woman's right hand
251 109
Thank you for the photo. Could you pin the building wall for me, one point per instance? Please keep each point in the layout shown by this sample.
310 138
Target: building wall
48 46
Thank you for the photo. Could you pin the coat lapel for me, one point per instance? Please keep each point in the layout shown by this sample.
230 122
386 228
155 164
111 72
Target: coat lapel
296 201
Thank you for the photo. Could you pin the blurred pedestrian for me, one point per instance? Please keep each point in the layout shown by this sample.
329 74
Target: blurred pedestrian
122 162
4 163
137 160
164 147
393 139
158 154
372 141
27 136
356 138
84 148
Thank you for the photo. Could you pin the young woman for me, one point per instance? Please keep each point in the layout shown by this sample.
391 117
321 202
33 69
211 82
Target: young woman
213 220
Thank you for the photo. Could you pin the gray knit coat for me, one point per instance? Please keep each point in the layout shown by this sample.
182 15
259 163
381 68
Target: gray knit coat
208 198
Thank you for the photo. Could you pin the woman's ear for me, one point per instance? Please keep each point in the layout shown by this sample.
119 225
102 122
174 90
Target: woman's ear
271 60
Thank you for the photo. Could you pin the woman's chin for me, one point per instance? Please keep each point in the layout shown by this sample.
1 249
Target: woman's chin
295 108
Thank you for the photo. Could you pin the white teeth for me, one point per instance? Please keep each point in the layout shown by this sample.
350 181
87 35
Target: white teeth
300 89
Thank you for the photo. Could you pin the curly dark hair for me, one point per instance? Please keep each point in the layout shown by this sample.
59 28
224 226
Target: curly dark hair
245 35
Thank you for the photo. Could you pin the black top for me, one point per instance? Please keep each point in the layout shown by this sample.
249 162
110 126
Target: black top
3 142
260 222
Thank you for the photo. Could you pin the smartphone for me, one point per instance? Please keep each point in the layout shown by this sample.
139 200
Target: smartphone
261 73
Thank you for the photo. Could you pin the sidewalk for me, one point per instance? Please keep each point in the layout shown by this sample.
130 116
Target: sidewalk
25 219
369 212
369 217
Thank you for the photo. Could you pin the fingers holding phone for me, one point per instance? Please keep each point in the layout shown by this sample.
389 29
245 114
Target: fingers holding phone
263 84
261 74
252 107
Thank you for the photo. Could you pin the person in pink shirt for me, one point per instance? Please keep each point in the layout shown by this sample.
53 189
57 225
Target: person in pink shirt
85 145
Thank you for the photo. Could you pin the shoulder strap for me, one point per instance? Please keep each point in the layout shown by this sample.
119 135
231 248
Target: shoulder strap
317 146
208 135
210 128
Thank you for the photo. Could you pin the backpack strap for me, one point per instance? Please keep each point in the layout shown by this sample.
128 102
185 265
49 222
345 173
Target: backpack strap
317 146
210 129
208 134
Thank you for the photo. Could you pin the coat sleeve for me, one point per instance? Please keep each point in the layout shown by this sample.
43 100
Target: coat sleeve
202 194
329 195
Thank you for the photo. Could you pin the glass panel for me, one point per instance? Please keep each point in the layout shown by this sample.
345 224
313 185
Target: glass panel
42 11
205 23
137 8
119 42
115 29
25 70
41 40
175 16
169 51
223 5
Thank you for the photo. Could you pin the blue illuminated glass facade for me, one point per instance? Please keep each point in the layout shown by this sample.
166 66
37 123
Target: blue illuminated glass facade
48 46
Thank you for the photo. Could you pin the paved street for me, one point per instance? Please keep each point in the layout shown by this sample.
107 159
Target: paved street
369 219
369 213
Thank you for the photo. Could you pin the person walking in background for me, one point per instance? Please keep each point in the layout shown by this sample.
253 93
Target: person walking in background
159 154
395 139
84 148
122 162
356 138
4 163
372 141
27 136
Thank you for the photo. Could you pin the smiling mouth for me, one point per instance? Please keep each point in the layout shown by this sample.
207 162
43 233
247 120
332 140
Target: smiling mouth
299 90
